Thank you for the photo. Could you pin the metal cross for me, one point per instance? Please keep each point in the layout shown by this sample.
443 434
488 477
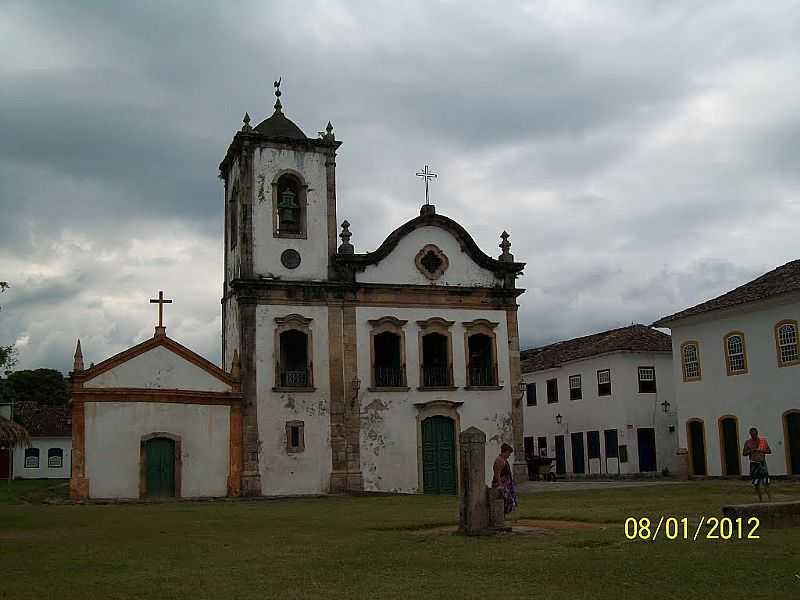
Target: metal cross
427 175
161 302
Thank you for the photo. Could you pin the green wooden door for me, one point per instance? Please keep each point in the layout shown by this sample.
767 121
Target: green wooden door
160 467
438 456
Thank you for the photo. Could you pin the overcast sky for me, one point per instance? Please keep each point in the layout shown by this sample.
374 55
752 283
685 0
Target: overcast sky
643 155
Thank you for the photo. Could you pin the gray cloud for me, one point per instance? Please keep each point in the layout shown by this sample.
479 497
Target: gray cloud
643 157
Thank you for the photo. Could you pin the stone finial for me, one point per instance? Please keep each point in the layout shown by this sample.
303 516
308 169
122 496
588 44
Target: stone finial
327 135
236 365
246 121
77 363
278 106
346 247
505 245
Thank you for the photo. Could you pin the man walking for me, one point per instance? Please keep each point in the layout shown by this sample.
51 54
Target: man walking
757 448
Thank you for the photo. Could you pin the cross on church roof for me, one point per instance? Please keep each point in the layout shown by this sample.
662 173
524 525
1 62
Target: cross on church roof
427 175
161 302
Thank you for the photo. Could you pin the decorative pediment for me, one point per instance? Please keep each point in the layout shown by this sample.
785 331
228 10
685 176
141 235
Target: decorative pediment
388 320
294 319
434 322
479 324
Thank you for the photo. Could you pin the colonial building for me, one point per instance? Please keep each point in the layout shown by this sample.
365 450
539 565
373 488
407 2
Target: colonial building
358 370
341 370
152 421
48 456
737 365
602 404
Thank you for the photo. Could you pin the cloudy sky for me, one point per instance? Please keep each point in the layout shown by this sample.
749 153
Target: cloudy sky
643 155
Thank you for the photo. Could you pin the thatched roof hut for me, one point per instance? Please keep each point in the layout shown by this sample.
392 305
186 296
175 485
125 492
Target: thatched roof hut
12 434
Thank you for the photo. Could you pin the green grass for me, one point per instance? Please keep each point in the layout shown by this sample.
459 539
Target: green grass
358 548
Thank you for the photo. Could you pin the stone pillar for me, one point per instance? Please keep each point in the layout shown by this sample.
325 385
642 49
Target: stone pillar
682 463
473 505
78 483
519 466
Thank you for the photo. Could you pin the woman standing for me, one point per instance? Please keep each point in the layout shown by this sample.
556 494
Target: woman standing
503 480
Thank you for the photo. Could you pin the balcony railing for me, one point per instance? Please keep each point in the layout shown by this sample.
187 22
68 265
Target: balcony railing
436 377
295 378
482 376
390 377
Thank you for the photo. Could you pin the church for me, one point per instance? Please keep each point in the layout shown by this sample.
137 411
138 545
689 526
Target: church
341 371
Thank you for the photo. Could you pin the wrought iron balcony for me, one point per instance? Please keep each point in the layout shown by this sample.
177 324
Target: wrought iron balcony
390 377
436 377
481 376
295 378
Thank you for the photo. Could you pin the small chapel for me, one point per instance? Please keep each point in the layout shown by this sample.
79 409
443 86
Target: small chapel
341 371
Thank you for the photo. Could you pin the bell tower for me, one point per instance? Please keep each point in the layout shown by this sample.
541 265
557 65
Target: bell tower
280 201
280 230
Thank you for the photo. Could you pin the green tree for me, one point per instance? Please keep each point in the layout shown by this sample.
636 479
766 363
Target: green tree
45 386
8 354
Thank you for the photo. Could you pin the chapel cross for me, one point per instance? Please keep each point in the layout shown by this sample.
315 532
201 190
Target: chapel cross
427 175
161 302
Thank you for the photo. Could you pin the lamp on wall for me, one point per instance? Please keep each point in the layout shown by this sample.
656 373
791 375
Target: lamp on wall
559 418
665 404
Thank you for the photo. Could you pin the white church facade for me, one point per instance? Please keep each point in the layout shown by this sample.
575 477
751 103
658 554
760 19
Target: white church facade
342 371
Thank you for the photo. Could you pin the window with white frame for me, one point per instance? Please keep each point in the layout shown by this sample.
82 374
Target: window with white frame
786 335
735 357
604 382
575 387
55 458
31 458
647 380
690 355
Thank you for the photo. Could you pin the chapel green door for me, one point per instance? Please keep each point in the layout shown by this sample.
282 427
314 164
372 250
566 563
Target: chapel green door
438 456
160 468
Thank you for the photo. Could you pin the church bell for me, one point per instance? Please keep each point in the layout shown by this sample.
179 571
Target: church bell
287 206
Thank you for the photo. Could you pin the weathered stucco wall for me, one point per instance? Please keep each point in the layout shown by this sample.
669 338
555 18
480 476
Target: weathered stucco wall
625 410
399 265
158 368
268 162
233 264
758 398
113 437
389 420
45 471
306 472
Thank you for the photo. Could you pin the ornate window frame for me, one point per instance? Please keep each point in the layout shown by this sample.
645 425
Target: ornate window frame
388 324
143 461
726 348
487 328
302 202
778 347
440 326
684 370
293 322
443 266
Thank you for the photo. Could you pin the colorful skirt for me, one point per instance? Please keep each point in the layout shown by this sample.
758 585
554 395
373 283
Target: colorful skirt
759 475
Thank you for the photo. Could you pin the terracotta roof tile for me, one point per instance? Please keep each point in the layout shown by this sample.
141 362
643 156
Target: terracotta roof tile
783 280
44 421
634 338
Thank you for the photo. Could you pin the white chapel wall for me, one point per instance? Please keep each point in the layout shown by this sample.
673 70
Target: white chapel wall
158 368
267 249
389 430
306 472
44 470
113 440
399 266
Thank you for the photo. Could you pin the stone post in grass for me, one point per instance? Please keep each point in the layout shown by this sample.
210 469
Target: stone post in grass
480 508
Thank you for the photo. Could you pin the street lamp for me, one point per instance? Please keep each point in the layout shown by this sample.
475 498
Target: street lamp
559 418
666 405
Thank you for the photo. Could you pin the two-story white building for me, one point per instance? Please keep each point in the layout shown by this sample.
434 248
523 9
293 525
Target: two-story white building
737 366
602 404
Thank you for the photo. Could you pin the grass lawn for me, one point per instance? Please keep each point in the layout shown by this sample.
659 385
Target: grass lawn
341 547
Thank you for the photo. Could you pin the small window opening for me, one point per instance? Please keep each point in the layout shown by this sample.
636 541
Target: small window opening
575 390
290 219
435 361
389 370
481 366
552 391
647 380
294 370
604 382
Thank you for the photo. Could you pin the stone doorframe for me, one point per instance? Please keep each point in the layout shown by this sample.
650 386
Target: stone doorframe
143 461
438 408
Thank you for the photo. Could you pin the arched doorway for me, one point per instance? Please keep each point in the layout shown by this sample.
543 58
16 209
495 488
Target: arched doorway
791 433
696 440
160 467
439 456
729 445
